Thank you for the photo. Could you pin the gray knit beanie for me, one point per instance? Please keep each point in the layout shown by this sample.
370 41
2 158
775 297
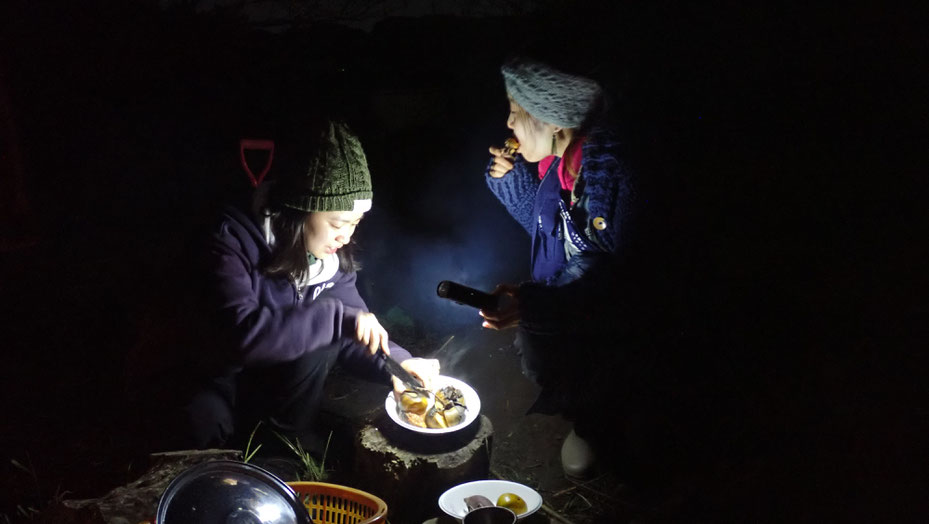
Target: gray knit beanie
337 179
549 94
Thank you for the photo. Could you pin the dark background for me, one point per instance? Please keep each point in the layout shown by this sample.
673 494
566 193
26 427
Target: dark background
785 144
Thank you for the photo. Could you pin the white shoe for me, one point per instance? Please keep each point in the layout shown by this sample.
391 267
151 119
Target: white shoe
577 457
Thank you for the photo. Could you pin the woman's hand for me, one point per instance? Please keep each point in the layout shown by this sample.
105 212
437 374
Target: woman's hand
507 314
425 369
369 332
503 163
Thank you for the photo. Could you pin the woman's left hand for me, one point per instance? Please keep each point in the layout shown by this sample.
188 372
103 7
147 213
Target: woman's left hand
425 369
507 313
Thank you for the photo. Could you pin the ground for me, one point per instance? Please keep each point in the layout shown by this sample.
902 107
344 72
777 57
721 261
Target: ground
68 439
66 433
525 449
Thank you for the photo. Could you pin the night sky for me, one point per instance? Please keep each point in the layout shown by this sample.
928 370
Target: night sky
784 145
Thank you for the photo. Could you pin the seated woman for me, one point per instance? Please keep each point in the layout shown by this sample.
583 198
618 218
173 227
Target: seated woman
282 307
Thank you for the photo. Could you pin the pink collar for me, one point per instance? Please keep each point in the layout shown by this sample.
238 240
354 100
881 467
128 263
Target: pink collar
567 181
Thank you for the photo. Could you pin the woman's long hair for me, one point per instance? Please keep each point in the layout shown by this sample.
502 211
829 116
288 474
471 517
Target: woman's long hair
289 254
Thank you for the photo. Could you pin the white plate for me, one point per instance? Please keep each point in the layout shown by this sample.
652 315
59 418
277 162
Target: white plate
472 402
453 504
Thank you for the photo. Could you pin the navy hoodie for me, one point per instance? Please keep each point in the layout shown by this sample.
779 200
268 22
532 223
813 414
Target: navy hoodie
266 320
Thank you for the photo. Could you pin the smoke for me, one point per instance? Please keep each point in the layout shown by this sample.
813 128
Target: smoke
452 353
441 224
408 277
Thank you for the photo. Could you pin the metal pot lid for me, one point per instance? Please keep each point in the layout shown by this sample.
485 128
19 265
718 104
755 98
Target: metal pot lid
229 492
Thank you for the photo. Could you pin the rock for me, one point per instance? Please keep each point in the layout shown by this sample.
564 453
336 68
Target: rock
137 501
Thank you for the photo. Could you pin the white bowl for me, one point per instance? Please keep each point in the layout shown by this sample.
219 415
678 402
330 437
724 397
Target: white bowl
472 402
453 504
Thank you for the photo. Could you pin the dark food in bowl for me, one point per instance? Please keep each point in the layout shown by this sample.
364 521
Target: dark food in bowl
477 501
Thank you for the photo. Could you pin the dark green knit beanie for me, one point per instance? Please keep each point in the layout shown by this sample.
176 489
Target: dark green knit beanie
338 175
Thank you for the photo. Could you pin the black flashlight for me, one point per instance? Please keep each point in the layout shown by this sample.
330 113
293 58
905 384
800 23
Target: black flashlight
467 295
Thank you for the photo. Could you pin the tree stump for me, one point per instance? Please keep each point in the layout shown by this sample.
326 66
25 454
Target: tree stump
411 470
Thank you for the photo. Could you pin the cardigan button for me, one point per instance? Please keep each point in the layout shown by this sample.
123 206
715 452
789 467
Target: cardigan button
599 223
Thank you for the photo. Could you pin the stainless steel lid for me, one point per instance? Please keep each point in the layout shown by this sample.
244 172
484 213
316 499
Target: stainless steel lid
229 492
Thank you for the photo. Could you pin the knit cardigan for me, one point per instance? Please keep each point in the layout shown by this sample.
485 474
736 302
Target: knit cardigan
607 197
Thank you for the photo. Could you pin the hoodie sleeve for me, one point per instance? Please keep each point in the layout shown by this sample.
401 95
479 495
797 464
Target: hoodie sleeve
265 331
260 318
355 355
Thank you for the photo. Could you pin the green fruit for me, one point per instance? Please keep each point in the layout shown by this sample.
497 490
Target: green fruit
513 502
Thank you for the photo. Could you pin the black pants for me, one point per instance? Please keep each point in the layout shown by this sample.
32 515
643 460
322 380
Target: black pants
585 378
222 411
646 405
578 375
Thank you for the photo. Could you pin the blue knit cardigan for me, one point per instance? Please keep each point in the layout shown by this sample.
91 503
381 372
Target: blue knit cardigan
608 197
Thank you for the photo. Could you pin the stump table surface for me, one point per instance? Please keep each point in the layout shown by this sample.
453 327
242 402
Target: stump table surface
409 470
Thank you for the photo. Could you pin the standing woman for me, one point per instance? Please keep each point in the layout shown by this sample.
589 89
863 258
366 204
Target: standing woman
282 306
567 186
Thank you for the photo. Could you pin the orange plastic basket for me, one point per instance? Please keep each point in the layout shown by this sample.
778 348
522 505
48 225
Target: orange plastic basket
335 504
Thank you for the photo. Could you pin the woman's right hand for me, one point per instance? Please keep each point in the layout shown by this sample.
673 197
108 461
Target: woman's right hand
503 163
369 332
507 313
424 369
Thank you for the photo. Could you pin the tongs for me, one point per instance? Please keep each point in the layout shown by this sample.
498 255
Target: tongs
394 368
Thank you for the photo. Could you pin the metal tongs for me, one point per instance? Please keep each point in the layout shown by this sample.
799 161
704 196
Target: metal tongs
394 368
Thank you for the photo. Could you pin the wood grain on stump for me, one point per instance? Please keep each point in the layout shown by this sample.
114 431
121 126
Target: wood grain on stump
411 470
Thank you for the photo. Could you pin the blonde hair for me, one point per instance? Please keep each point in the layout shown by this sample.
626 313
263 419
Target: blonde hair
524 118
